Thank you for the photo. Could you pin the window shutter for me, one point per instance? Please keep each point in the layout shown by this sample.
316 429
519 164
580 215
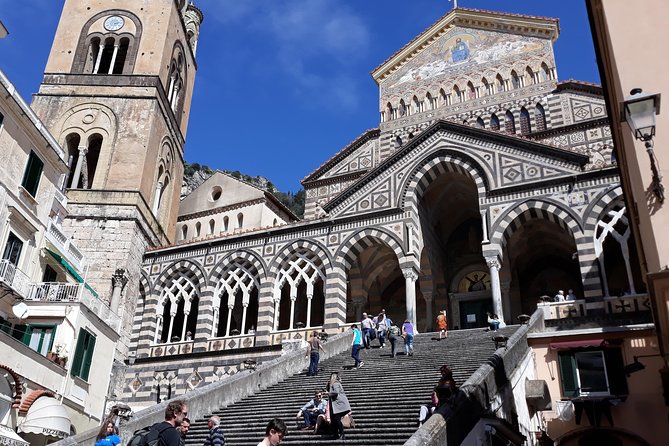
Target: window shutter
615 371
88 358
32 174
567 365
78 354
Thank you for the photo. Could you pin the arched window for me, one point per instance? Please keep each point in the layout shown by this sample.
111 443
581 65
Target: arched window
163 179
179 315
545 72
471 91
90 161
431 102
499 83
389 112
457 94
398 142
108 52
184 232
236 294
494 122
226 222
509 123
515 80
240 220
443 98
415 105
487 87
540 117
529 75
198 228
525 125
212 226
72 142
274 222
480 123
403 108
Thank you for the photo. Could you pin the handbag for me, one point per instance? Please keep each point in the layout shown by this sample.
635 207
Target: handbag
347 420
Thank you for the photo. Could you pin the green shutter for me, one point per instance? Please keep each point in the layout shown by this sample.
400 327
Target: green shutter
88 357
32 174
567 364
615 371
78 354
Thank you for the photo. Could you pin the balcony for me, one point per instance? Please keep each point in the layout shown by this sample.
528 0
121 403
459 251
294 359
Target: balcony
59 292
14 278
64 245
623 310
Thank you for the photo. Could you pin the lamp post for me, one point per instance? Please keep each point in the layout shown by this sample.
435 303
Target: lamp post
640 110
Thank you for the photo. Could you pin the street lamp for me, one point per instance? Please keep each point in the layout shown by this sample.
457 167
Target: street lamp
639 111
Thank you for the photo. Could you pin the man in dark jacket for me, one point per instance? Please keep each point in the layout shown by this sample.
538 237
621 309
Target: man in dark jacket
215 437
175 412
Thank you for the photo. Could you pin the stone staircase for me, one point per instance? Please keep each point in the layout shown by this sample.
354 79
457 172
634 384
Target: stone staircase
385 394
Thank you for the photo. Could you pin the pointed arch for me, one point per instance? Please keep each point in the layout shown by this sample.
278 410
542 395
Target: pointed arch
351 248
529 75
545 72
540 117
525 124
509 123
429 168
480 123
487 87
443 98
457 94
432 103
415 105
494 122
402 108
499 83
471 91
515 80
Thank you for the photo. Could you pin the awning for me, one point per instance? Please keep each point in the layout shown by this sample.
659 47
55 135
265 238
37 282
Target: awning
10 438
70 269
581 343
48 417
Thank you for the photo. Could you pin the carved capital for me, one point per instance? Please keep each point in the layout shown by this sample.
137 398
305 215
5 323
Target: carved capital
119 278
409 273
493 262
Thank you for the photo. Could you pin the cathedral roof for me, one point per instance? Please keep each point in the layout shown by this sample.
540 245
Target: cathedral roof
343 153
582 86
472 18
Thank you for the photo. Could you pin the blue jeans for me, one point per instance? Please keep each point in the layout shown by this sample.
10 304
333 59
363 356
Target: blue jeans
310 417
382 337
494 325
393 341
313 364
355 353
408 343
366 336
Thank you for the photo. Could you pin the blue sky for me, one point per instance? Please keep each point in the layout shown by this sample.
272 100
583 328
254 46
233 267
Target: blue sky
282 85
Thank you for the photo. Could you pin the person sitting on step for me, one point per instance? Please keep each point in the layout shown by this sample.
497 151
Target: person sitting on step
312 410
442 394
493 322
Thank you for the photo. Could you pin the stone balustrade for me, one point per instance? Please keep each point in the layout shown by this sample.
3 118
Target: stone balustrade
607 305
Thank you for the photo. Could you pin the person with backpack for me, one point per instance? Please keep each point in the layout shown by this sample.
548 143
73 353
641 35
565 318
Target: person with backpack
165 432
407 334
394 332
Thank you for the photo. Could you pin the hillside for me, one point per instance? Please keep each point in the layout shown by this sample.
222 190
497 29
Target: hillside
196 174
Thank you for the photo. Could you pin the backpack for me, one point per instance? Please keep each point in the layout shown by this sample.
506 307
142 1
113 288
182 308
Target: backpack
394 330
148 436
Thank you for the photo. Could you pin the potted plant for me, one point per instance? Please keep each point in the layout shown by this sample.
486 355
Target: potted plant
60 355
51 356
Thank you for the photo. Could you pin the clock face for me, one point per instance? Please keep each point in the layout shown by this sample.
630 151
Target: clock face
114 23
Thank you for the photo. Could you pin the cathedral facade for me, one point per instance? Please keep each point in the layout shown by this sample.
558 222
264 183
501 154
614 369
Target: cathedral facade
487 186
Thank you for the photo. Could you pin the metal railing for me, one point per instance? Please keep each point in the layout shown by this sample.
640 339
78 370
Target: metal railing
64 245
14 278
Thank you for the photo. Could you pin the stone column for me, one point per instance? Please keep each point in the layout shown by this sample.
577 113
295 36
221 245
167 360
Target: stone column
113 59
227 327
309 297
83 150
493 264
410 277
156 199
98 59
429 299
119 280
245 305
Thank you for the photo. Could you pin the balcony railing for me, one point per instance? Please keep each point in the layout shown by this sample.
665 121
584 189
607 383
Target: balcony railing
14 278
64 245
607 305
59 292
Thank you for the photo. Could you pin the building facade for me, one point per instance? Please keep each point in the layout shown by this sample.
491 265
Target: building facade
488 185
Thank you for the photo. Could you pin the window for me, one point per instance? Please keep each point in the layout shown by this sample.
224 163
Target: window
83 354
50 274
494 122
40 338
509 123
525 125
226 221
592 372
13 249
240 220
32 174
540 117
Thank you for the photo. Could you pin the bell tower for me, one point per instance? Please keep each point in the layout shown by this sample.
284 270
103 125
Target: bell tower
116 94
